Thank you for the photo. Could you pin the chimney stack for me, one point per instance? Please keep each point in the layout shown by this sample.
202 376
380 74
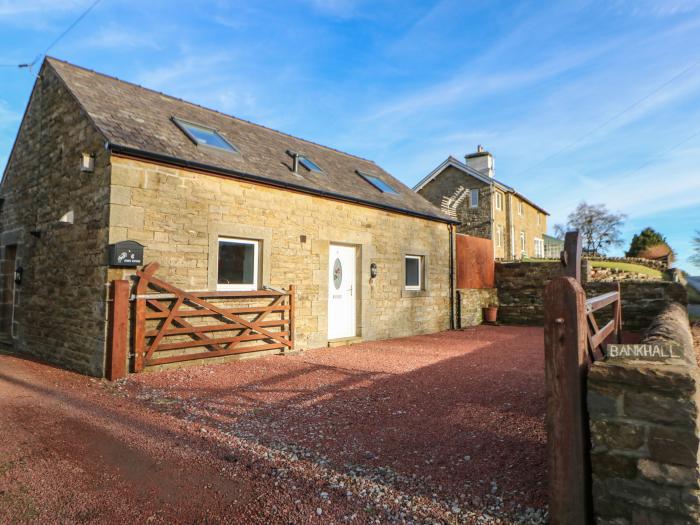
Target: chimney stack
481 161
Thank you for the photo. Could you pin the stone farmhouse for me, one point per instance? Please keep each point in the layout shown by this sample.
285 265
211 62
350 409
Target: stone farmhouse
220 203
468 192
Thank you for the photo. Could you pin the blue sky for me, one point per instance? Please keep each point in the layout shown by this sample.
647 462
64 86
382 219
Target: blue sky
578 100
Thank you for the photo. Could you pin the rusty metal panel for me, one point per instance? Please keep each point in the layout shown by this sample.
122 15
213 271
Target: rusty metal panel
475 262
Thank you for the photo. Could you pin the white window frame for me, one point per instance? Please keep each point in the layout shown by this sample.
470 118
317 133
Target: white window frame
499 234
474 198
419 286
539 248
256 264
499 200
521 208
523 243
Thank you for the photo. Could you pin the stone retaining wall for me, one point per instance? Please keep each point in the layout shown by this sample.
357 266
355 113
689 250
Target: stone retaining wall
520 287
644 432
471 301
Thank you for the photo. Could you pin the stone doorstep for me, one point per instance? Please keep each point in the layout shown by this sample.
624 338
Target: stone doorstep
344 341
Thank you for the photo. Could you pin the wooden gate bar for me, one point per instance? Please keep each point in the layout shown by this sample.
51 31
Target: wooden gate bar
157 301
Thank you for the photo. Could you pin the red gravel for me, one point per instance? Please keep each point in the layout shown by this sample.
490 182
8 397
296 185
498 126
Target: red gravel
439 428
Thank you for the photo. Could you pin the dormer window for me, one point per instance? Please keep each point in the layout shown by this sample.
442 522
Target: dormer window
203 136
378 183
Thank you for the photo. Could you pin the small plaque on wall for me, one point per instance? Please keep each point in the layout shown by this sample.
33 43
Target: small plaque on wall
126 253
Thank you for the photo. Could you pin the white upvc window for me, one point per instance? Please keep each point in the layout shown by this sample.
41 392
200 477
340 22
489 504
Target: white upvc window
413 272
499 200
521 208
238 263
539 248
499 235
474 198
522 243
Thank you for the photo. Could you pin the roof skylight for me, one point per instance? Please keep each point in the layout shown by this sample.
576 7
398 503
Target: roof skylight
203 136
378 183
309 164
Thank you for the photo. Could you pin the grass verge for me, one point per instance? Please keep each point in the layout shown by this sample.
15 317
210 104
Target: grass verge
628 267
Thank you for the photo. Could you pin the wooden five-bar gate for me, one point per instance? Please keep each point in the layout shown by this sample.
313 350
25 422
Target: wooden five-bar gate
573 341
171 325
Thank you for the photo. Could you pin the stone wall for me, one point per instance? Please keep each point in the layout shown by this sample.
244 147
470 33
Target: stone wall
59 307
179 214
644 432
451 192
521 285
471 301
642 301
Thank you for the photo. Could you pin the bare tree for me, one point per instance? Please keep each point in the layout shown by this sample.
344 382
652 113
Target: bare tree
560 231
695 258
599 228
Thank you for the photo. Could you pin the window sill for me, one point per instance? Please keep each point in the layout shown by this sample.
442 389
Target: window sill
414 293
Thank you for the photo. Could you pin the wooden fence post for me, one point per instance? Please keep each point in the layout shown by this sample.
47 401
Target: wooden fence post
566 367
118 321
571 256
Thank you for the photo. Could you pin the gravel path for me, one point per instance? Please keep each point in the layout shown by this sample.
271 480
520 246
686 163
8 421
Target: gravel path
445 428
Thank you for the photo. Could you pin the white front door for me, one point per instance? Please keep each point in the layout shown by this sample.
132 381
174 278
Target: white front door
342 291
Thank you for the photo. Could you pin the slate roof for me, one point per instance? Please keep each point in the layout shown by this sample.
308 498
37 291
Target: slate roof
138 121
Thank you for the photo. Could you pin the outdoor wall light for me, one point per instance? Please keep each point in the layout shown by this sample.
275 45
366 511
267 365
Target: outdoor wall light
373 270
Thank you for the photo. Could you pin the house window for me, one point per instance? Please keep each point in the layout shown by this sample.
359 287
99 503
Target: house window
499 200
539 248
238 265
474 198
521 208
414 272
522 243
499 235
203 136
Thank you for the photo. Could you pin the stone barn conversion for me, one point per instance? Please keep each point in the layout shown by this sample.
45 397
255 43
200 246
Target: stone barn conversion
223 205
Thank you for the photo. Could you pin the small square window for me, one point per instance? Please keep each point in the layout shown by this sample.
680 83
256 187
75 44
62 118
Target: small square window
474 198
413 272
238 265
203 136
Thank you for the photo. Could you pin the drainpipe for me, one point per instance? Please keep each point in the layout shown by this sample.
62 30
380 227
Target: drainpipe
511 230
493 218
450 231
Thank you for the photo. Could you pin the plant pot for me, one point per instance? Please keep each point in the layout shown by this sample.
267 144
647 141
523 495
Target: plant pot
490 313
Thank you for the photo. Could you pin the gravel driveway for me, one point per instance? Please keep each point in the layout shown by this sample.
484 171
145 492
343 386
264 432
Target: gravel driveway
444 428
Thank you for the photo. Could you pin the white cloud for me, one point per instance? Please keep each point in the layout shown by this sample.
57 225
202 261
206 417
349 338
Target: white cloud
120 38
8 117
22 8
